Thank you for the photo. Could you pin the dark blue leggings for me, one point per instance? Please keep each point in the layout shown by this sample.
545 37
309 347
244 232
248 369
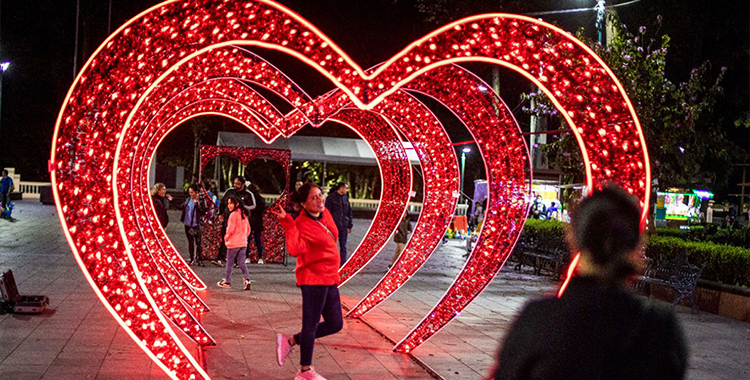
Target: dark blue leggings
318 300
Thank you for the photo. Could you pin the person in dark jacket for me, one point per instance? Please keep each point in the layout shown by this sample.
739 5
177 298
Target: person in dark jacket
293 208
256 220
597 329
193 210
161 199
337 203
240 191
401 237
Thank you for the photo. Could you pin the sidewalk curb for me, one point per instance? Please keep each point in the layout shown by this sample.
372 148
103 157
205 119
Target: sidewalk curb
413 358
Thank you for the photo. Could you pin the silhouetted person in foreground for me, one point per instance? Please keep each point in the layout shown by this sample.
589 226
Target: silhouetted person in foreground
598 329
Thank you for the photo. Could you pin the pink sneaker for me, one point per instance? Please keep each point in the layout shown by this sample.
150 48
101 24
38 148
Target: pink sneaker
283 348
309 375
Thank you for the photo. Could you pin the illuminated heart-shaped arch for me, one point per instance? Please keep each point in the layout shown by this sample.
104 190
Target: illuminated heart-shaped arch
223 95
96 120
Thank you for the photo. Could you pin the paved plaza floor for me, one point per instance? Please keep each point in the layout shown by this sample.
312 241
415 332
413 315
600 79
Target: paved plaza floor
76 338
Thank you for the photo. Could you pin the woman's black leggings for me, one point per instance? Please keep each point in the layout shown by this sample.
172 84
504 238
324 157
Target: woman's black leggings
318 300
194 244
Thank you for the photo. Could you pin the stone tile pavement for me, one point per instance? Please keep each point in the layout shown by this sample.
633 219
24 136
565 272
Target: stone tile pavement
77 339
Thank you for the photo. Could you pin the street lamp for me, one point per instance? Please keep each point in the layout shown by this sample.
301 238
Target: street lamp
466 150
600 13
3 66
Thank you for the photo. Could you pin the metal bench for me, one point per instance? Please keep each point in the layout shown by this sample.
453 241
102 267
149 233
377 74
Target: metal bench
678 274
551 257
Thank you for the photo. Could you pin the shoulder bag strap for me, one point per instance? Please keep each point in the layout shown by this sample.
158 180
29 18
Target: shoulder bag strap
327 230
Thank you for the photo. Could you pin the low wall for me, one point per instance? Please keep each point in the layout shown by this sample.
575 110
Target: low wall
727 301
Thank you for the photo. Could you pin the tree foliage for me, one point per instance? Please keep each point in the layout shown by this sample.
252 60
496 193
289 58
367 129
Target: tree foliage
686 141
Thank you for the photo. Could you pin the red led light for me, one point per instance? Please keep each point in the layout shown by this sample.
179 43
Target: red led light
172 55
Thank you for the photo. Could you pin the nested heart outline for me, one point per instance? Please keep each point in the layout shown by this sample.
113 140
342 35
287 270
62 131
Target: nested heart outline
631 176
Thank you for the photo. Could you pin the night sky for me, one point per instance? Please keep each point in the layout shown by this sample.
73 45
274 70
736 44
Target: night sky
37 37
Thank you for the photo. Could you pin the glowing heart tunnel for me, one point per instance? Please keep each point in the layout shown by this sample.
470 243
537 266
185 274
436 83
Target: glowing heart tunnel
181 59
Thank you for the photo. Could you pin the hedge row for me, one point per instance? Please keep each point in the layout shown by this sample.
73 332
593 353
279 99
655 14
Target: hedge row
737 237
724 263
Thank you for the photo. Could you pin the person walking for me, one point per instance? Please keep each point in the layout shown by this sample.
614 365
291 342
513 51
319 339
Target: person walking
311 238
235 238
161 199
256 220
401 237
240 191
597 329
341 211
193 210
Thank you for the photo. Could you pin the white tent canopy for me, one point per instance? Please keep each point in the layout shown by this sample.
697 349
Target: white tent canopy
314 148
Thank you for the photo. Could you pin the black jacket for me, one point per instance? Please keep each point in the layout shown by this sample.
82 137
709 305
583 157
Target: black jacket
161 204
340 210
402 231
244 195
200 210
256 218
593 332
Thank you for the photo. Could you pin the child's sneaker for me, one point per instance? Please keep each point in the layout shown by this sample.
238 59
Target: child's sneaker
309 375
283 348
260 261
224 284
247 284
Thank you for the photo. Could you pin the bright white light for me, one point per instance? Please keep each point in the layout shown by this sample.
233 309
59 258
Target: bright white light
466 150
4 66
482 88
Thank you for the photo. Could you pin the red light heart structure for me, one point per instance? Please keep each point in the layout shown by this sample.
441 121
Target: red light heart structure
154 73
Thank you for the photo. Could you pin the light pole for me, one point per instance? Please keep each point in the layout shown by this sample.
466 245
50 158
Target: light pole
464 151
3 66
600 14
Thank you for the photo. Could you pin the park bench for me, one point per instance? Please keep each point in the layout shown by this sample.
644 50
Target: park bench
678 274
551 257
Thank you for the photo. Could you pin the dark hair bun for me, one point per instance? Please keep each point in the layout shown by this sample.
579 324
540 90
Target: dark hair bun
606 226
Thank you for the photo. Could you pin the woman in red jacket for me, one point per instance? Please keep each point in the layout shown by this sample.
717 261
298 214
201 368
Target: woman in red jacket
312 238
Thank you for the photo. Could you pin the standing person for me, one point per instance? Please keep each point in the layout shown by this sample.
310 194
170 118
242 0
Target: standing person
293 208
598 329
311 238
238 229
477 216
553 211
538 208
161 199
213 192
193 210
256 220
401 237
6 187
240 191
338 204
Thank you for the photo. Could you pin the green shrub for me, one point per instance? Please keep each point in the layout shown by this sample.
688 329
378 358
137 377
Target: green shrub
737 237
724 263
544 233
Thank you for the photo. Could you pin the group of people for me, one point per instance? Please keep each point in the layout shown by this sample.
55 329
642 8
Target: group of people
241 214
539 210
596 329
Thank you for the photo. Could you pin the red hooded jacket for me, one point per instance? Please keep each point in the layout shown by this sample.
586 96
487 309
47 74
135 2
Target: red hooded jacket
315 248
